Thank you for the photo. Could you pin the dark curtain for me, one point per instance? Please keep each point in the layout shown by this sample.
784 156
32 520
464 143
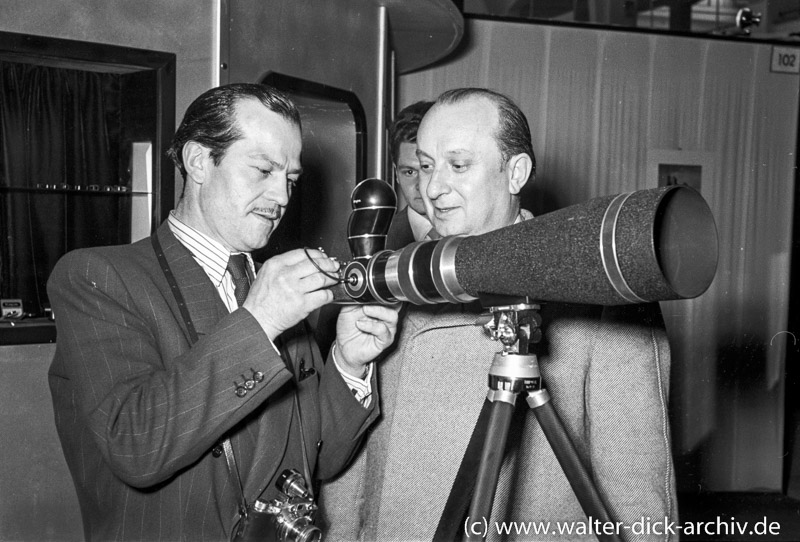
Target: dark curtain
59 135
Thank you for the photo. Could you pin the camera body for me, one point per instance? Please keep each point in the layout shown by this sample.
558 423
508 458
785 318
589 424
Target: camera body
287 518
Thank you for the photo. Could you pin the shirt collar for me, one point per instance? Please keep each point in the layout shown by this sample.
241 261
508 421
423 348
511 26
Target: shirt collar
419 224
210 254
523 215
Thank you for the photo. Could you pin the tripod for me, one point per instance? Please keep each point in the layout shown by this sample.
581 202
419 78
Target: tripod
514 371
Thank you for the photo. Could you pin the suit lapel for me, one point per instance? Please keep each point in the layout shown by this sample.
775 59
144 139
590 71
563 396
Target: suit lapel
201 297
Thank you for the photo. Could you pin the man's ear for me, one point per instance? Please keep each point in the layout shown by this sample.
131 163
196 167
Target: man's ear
196 161
518 169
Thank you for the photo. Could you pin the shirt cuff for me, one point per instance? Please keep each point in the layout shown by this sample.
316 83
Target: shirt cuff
361 387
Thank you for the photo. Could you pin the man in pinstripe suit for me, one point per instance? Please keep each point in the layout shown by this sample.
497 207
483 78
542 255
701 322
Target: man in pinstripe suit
175 392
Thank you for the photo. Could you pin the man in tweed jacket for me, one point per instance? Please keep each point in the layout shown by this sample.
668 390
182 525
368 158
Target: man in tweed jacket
142 410
607 371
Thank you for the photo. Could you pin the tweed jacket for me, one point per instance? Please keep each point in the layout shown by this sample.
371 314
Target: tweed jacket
139 410
607 371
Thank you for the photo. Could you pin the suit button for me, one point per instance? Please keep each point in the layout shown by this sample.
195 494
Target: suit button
241 391
216 451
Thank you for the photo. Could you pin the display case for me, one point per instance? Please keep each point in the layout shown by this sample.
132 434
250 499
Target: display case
84 131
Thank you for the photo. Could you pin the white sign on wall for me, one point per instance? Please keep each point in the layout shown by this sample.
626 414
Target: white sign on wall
785 60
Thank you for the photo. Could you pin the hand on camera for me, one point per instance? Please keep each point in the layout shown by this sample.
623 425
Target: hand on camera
288 287
363 332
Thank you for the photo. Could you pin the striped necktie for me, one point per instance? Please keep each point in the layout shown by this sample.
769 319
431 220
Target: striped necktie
237 267
432 235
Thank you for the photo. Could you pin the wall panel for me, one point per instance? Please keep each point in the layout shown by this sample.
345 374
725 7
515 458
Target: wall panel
37 499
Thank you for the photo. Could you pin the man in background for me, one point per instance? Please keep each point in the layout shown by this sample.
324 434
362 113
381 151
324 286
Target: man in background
184 383
606 368
410 223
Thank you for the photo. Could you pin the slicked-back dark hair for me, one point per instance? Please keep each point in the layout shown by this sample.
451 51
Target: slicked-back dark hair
211 118
405 126
513 132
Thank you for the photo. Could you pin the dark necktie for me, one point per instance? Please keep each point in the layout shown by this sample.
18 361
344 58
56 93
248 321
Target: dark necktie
237 266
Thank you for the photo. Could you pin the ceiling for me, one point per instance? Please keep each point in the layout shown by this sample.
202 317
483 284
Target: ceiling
765 19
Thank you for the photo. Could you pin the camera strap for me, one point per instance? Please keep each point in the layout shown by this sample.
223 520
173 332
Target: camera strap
464 484
233 473
306 462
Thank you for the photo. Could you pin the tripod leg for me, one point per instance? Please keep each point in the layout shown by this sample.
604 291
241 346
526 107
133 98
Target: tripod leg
500 416
579 478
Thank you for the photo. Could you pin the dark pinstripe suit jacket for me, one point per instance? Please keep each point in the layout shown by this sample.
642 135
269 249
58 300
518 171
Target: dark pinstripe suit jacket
138 410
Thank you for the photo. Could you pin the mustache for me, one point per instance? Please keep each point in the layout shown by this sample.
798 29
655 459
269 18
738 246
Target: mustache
273 212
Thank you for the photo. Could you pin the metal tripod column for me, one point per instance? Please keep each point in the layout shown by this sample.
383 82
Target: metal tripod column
505 373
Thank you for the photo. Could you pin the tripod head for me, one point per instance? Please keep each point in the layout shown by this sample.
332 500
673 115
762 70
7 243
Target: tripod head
516 322
517 325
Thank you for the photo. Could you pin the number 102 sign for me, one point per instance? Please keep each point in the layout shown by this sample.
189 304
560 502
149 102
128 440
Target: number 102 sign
785 60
